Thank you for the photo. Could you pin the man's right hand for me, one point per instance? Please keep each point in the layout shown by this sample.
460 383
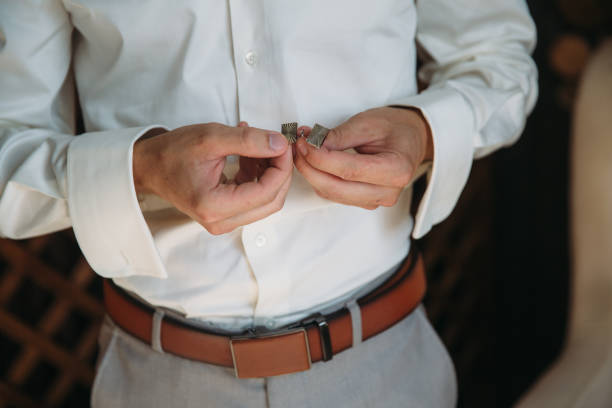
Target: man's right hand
185 167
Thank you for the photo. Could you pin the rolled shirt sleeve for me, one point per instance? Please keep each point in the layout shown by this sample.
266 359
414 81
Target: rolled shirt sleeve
106 217
482 84
49 178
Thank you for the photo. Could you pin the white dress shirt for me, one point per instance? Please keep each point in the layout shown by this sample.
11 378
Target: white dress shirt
141 65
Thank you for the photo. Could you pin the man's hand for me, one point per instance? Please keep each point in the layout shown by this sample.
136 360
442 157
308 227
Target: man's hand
185 167
390 143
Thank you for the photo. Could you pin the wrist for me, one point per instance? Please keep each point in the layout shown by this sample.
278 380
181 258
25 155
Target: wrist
414 118
425 132
141 168
146 161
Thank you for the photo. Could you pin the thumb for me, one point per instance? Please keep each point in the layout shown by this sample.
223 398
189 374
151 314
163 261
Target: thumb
249 142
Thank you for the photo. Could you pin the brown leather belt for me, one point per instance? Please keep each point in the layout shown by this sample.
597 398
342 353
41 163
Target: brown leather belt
291 349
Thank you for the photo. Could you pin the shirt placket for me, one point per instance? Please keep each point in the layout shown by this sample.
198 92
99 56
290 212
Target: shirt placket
261 244
258 104
257 91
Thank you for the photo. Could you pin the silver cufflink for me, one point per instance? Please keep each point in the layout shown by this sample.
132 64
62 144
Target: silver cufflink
316 138
289 130
317 135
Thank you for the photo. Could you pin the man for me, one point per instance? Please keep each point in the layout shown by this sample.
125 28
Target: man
217 260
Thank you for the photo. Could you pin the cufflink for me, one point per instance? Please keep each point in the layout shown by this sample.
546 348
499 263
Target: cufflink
317 136
289 130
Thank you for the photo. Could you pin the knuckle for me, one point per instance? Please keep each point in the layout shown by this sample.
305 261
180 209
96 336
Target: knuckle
377 125
279 202
334 133
243 136
247 137
278 205
337 135
362 118
385 125
390 201
348 173
215 229
209 130
207 139
206 214
322 193
401 180
299 163
245 132
268 195
215 127
387 200
197 205
208 143
207 217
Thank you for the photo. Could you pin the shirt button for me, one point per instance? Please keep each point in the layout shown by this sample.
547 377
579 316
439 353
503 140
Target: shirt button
270 323
250 57
260 240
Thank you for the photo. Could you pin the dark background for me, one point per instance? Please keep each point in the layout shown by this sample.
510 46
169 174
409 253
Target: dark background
500 265
498 268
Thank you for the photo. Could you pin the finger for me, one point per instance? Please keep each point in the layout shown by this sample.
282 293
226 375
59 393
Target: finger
246 141
304 131
272 169
355 193
357 131
253 215
384 168
227 200
285 163
262 165
249 169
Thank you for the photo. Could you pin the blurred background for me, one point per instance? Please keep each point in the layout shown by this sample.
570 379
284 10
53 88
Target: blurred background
499 267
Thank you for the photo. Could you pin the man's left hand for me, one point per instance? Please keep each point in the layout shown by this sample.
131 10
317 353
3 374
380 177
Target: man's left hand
389 143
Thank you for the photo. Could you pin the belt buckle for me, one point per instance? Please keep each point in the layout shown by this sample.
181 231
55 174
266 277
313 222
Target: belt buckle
266 355
320 322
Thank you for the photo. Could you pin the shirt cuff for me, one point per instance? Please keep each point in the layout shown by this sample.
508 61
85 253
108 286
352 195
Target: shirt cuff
451 121
107 221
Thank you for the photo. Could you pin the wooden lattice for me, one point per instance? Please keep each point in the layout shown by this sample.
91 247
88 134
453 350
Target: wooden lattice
50 314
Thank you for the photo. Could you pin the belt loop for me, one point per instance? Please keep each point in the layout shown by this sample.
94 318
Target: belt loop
158 316
355 311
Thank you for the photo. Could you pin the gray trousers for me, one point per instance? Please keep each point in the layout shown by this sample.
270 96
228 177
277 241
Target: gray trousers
405 366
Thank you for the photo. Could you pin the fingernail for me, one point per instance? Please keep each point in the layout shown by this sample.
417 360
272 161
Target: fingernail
303 149
277 141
